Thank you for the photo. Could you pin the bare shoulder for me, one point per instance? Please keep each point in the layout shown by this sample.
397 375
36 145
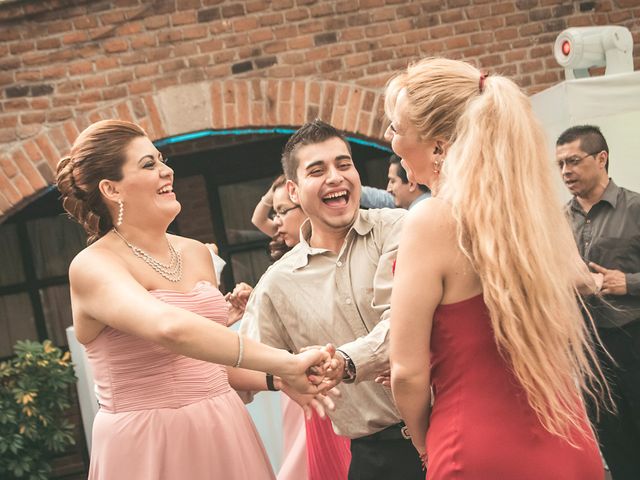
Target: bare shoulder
187 245
93 263
197 254
431 217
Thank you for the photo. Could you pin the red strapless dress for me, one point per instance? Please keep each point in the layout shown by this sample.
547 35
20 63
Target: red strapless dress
482 427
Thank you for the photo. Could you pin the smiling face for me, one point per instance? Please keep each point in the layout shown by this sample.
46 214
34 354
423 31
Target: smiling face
328 186
289 217
417 155
147 184
403 193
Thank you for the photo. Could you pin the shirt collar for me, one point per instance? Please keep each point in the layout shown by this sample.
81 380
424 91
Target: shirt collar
361 226
424 196
610 195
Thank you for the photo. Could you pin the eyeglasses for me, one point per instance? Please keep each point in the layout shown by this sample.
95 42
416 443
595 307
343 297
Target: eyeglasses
574 161
281 214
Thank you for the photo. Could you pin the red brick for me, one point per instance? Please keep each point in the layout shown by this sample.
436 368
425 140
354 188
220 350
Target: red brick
115 46
8 167
23 186
242 103
48 151
74 37
28 170
70 131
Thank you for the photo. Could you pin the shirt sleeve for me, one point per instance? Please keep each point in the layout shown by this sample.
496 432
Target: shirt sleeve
261 320
370 353
376 198
633 283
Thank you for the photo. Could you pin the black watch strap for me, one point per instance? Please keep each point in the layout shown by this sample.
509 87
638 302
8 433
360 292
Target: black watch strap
349 375
270 385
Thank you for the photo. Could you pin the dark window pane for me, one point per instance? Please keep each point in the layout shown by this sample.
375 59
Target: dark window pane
54 242
56 304
376 172
16 322
194 220
249 266
238 201
11 270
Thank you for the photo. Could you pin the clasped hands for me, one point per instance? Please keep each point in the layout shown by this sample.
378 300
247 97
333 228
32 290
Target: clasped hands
316 387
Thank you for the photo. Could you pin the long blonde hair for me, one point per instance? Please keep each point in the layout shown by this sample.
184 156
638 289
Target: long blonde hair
499 181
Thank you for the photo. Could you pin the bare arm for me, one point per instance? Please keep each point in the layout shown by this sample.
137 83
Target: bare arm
423 254
260 217
104 292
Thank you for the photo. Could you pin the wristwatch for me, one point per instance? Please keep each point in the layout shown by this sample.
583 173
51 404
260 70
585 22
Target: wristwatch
349 375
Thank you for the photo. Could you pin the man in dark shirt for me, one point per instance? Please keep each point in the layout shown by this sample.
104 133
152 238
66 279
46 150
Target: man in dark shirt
606 224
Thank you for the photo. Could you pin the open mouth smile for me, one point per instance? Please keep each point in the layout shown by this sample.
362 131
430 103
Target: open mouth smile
336 199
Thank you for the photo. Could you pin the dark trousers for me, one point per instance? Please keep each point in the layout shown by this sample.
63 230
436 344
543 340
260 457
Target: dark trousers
385 456
619 433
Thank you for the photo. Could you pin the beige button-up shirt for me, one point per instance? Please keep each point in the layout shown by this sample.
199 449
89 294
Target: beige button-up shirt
312 296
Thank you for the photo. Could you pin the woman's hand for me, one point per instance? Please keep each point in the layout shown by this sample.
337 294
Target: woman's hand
306 373
237 301
321 403
384 378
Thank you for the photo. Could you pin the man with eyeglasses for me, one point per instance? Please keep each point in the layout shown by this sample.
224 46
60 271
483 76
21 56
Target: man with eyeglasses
606 224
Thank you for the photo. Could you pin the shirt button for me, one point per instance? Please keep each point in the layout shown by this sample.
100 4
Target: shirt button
348 301
339 263
588 221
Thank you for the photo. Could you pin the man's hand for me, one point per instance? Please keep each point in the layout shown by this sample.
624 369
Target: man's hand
335 371
318 373
614 282
384 378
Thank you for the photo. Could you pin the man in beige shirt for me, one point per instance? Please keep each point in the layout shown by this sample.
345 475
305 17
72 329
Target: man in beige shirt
335 287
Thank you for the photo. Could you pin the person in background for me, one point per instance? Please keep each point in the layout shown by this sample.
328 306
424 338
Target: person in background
487 314
401 191
606 226
146 307
406 193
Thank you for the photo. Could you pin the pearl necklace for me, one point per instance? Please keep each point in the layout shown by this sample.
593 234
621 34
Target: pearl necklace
172 272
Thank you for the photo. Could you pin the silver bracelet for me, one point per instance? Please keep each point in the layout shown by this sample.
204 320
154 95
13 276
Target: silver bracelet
240 350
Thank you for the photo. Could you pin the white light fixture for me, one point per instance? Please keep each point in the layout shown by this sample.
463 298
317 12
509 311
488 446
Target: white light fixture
580 48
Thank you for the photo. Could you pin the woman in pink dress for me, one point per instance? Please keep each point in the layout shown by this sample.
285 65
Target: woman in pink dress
146 306
484 312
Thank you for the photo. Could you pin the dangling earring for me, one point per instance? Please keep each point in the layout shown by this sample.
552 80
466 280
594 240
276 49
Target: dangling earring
120 213
436 166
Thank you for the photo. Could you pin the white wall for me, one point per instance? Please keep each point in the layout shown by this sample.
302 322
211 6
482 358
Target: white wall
610 102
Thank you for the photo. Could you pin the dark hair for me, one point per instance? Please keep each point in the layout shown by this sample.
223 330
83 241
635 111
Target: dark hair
308 134
278 182
97 154
277 248
591 140
402 173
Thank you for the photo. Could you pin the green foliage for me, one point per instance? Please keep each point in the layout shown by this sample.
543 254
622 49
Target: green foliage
34 395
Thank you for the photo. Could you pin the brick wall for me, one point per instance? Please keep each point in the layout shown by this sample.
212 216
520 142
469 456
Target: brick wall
183 65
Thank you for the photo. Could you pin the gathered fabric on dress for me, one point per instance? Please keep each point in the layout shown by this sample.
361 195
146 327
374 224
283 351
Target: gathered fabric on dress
164 416
482 426
328 454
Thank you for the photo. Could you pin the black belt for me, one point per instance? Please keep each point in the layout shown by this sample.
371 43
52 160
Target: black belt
398 431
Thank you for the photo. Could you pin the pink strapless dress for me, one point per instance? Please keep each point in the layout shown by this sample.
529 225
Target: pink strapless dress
164 416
